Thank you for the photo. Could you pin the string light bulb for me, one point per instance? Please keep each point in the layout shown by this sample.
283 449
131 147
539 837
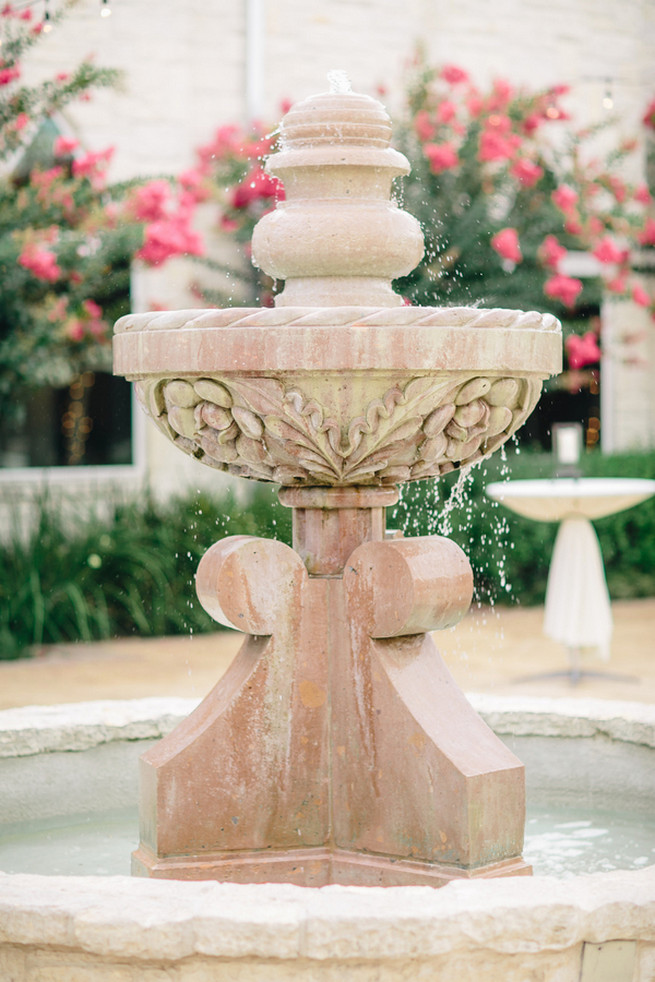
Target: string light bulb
47 23
105 9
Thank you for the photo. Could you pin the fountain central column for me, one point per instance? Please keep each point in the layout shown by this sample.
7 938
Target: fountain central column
337 747
329 523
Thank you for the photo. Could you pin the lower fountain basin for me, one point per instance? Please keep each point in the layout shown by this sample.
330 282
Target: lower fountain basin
81 758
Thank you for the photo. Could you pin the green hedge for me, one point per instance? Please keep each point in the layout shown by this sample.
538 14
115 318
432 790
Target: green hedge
121 568
128 567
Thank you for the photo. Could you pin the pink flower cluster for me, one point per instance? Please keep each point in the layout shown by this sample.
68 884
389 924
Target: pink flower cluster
93 166
168 214
582 351
506 244
168 237
445 124
89 325
256 186
41 262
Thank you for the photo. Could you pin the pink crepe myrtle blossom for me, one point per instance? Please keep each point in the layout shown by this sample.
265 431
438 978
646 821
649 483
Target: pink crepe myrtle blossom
640 296
193 185
649 116
617 187
531 123
441 156
64 146
41 262
618 284
499 123
526 172
9 74
423 126
227 224
501 95
446 111
595 226
227 142
642 194
21 122
93 309
92 164
550 252
495 146
506 244
582 351
256 185
474 104
564 198
647 236
88 326
607 251
74 329
149 202
172 236
454 75
573 225
563 288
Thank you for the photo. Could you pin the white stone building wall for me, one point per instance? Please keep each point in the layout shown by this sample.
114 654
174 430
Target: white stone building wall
191 65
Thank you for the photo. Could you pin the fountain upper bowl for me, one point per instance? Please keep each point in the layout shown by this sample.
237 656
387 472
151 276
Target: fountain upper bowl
338 396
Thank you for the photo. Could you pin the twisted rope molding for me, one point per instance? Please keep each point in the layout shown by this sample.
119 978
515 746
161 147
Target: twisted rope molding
460 317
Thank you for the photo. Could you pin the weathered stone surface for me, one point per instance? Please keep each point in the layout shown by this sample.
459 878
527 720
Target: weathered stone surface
149 920
32 730
77 726
628 722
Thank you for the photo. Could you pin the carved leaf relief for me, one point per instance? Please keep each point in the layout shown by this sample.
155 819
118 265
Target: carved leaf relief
256 427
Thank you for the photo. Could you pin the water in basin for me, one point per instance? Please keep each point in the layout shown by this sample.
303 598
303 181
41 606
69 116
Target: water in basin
561 841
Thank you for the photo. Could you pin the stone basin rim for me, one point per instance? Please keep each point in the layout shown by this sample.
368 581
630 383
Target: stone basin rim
148 920
383 351
29 730
401 316
206 342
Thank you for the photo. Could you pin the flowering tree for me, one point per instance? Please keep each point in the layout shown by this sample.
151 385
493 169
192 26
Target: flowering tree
230 170
505 191
68 236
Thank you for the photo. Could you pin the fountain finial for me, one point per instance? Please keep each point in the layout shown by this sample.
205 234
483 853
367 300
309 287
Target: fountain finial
337 239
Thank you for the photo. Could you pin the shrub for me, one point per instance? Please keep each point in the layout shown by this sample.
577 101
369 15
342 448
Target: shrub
129 567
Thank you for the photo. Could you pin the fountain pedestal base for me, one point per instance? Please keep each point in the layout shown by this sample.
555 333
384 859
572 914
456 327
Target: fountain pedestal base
337 747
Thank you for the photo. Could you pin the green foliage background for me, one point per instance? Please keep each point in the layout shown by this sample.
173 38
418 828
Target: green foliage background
128 567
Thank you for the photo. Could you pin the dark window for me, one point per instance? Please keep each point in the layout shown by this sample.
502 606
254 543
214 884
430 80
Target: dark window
88 422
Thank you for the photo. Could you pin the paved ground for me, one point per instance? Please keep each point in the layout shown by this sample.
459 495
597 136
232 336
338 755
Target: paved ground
496 651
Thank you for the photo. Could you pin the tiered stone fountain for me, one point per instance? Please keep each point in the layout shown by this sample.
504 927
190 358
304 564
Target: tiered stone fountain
337 748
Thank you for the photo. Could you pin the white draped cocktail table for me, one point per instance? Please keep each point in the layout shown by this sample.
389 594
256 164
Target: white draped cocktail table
577 609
